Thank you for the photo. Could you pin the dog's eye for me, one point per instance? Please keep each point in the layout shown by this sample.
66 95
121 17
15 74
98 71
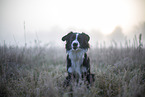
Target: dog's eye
73 37
79 38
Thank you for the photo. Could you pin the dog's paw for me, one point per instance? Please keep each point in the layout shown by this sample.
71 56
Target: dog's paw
92 78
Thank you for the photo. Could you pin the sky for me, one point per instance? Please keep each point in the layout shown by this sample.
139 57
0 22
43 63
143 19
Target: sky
48 20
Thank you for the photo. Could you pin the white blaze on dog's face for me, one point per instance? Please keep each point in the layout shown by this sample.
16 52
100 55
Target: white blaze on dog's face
75 44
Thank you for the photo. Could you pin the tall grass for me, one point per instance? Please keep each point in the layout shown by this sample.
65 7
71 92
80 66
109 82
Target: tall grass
40 71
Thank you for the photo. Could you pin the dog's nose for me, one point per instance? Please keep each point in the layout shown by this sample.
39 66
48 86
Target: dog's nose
75 45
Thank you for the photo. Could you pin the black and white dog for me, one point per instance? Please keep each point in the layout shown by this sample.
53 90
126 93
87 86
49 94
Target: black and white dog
78 63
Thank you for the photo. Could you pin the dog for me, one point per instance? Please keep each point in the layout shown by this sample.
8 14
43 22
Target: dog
78 63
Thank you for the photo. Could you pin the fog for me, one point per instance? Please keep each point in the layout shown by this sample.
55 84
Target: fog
45 22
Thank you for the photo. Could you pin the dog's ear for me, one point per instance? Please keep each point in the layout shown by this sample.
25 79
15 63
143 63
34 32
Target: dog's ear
66 37
87 38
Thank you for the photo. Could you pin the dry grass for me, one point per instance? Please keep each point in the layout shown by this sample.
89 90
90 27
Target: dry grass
40 72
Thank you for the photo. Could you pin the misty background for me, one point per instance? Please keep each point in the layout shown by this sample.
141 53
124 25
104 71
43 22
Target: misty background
45 22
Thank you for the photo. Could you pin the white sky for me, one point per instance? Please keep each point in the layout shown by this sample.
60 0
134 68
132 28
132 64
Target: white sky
49 18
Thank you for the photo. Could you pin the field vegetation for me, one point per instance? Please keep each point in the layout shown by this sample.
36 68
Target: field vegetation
39 71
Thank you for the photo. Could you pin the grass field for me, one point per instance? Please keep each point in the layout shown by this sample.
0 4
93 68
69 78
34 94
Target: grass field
39 71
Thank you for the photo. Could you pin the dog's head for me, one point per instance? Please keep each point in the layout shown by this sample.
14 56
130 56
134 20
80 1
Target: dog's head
76 41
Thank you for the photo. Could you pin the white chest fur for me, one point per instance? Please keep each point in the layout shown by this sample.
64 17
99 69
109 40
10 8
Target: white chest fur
77 57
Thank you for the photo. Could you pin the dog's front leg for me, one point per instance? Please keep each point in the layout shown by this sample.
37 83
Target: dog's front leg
69 70
67 80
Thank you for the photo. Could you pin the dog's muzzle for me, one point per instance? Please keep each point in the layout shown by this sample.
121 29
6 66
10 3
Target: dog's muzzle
75 46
